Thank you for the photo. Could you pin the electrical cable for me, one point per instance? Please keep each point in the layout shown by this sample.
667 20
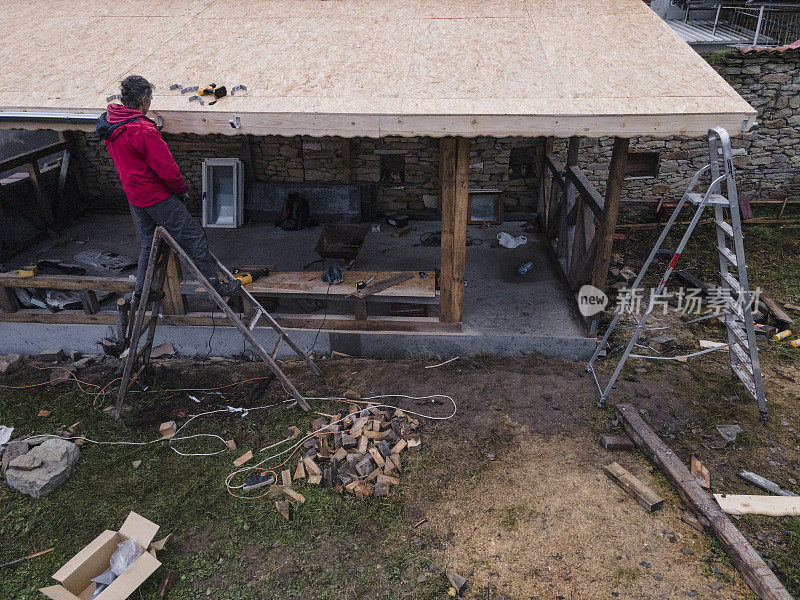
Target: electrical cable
324 318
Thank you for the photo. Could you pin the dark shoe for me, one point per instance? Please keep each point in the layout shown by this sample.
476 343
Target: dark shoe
228 289
153 296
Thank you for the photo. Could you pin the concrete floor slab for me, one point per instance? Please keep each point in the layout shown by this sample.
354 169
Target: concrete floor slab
504 313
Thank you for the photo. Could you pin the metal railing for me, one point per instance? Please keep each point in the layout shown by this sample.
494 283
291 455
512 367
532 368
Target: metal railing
769 23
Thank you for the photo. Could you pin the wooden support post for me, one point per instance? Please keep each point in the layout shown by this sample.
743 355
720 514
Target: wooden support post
346 160
565 228
75 165
174 302
360 309
544 183
605 233
45 207
752 567
123 316
247 157
455 184
8 300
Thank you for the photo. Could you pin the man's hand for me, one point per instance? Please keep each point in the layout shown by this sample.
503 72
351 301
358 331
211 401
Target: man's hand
184 197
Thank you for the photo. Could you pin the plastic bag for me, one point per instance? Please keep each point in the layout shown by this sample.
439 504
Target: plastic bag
126 554
509 241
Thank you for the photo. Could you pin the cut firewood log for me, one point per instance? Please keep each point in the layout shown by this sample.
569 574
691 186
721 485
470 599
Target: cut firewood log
398 447
315 479
300 472
311 467
376 456
286 477
395 458
285 508
293 495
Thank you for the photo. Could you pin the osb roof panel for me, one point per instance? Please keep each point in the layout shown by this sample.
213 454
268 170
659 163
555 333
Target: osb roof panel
372 67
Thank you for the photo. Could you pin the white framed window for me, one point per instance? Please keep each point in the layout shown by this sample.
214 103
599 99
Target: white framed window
223 192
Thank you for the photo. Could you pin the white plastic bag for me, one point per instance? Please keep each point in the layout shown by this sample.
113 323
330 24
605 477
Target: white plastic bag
509 241
126 554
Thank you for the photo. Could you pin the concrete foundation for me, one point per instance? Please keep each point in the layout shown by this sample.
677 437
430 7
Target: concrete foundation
504 313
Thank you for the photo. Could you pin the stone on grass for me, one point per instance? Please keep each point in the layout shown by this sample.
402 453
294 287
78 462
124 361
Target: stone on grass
729 432
10 362
58 458
14 449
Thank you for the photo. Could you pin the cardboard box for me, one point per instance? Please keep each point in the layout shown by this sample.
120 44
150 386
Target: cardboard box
94 559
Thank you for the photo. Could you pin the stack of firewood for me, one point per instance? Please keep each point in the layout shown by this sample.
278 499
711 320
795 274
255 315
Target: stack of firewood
361 455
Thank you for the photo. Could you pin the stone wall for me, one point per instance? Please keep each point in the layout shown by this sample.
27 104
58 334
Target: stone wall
770 81
306 159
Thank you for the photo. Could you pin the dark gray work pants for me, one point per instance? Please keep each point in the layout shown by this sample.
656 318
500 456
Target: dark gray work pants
173 216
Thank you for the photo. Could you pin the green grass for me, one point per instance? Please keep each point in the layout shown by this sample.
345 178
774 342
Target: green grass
335 546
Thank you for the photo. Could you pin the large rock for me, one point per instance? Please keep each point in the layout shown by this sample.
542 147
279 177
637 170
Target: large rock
58 458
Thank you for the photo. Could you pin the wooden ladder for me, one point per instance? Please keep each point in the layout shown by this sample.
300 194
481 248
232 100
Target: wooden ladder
138 358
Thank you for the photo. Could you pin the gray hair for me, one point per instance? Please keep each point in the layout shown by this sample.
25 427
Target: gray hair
134 89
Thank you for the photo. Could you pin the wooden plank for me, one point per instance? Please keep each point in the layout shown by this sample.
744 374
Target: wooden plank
566 223
747 504
45 203
643 494
605 233
586 188
752 567
21 160
455 215
310 283
68 282
776 310
174 303
385 284
289 321
89 301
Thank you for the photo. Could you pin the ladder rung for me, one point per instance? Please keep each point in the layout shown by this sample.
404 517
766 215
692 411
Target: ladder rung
732 282
726 228
745 378
733 306
728 255
142 350
696 198
736 327
254 321
743 358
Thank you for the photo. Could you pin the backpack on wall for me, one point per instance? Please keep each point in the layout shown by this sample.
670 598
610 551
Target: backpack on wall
296 214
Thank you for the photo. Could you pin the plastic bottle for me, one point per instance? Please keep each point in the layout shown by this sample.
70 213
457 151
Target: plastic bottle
525 268
794 343
781 335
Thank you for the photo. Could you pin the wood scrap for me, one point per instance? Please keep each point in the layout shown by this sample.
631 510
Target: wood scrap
382 285
641 492
285 508
612 441
777 312
294 495
300 472
312 467
701 473
243 458
747 504
706 344
286 477
315 479
752 567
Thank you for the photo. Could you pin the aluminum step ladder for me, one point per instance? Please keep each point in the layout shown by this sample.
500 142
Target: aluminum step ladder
741 338
145 322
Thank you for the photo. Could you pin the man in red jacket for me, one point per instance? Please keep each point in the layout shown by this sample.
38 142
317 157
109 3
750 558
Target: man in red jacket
153 183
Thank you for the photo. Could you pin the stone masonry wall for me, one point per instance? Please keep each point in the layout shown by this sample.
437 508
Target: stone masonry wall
770 81
306 159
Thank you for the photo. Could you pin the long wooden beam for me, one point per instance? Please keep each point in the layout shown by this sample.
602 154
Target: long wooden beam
605 233
750 564
204 319
455 202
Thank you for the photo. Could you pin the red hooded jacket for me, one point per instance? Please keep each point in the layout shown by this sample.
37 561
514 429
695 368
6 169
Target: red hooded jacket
148 172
